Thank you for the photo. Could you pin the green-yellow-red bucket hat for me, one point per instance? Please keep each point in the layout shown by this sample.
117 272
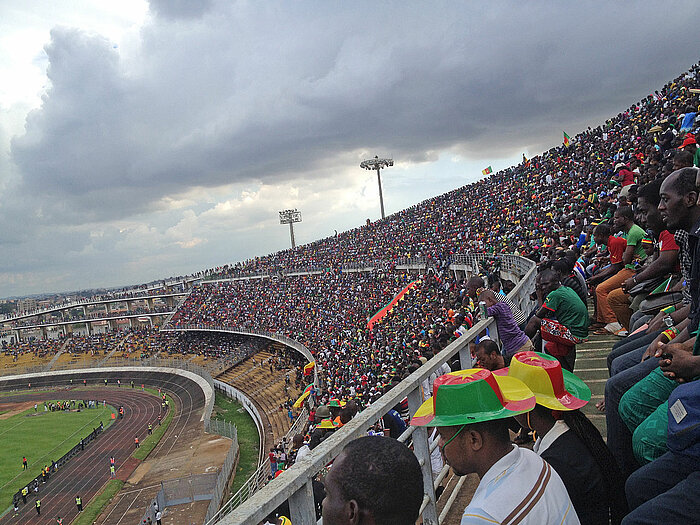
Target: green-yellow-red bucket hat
472 396
327 424
553 386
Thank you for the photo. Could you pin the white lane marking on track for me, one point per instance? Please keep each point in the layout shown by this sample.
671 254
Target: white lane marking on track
129 507
123 430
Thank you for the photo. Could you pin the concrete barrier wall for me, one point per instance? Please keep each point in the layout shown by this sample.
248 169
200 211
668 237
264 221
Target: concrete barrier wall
248 405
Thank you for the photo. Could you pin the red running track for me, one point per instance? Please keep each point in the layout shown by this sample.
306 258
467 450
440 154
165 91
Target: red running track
87 472
186 426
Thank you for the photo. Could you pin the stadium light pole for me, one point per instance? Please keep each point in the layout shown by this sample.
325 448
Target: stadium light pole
378 164
290 217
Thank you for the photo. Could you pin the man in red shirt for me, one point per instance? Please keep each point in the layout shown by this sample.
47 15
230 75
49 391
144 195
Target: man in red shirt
273 461
624 175
616 248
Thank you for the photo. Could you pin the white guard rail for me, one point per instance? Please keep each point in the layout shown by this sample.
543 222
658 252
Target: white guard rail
233 393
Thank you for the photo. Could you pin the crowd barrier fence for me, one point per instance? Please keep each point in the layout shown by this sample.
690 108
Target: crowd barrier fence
210 487
249 406
260 477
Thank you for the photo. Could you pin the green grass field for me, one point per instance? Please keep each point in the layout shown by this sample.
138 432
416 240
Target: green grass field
41 437
248 440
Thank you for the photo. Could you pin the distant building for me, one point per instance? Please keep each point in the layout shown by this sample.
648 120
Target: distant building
26 305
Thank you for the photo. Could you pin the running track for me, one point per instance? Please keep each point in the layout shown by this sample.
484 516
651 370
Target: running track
87 472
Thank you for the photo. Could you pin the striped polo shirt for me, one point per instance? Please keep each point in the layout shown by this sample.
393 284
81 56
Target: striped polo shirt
520 488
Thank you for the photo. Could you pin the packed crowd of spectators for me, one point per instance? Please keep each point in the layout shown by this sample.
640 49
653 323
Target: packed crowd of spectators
306 308
565 209
37 348
142 343
94 345
543 206
228 348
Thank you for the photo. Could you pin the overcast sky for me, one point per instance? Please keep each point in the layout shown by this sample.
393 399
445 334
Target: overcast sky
140 140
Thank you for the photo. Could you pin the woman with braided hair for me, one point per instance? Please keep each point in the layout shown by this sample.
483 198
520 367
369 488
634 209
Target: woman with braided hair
568 441
612 476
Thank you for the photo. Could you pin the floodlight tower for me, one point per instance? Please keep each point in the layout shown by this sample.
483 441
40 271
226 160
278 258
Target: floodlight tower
378 164
290 217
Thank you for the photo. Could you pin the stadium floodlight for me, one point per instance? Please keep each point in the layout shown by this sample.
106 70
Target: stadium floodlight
290 217
378 164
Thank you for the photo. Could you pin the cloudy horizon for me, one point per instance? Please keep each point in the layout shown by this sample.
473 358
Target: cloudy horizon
161 138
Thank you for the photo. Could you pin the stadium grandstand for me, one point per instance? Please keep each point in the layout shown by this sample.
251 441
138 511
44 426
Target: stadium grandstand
389 307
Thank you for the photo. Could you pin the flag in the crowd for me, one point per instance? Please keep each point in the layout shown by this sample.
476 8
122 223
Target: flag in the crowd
308 369
304 395
388 308
567 139
526 161
664 286
487 171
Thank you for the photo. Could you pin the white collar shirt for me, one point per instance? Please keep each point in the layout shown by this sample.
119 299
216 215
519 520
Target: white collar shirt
520 488
544 442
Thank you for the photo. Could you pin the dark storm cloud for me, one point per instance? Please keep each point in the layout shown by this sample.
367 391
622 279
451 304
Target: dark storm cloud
253 91
179 9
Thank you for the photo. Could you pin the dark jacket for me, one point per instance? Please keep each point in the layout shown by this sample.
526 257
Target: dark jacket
581 476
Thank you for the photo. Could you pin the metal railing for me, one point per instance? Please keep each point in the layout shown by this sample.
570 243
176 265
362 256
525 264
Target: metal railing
296 485
96 318
179 491
259 478
249 406
199 487
223 428
86 302
351 266
239 275
177 307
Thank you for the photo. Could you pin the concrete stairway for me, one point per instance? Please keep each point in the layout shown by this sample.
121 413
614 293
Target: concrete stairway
265 388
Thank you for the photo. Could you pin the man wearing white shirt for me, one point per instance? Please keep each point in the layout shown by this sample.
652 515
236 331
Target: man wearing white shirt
470 409
427 383
519 488
302 449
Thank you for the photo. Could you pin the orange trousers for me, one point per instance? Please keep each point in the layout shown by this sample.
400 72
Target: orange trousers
605 313
619 303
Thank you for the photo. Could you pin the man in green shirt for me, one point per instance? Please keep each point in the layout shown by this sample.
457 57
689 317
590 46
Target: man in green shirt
623 221
562 320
